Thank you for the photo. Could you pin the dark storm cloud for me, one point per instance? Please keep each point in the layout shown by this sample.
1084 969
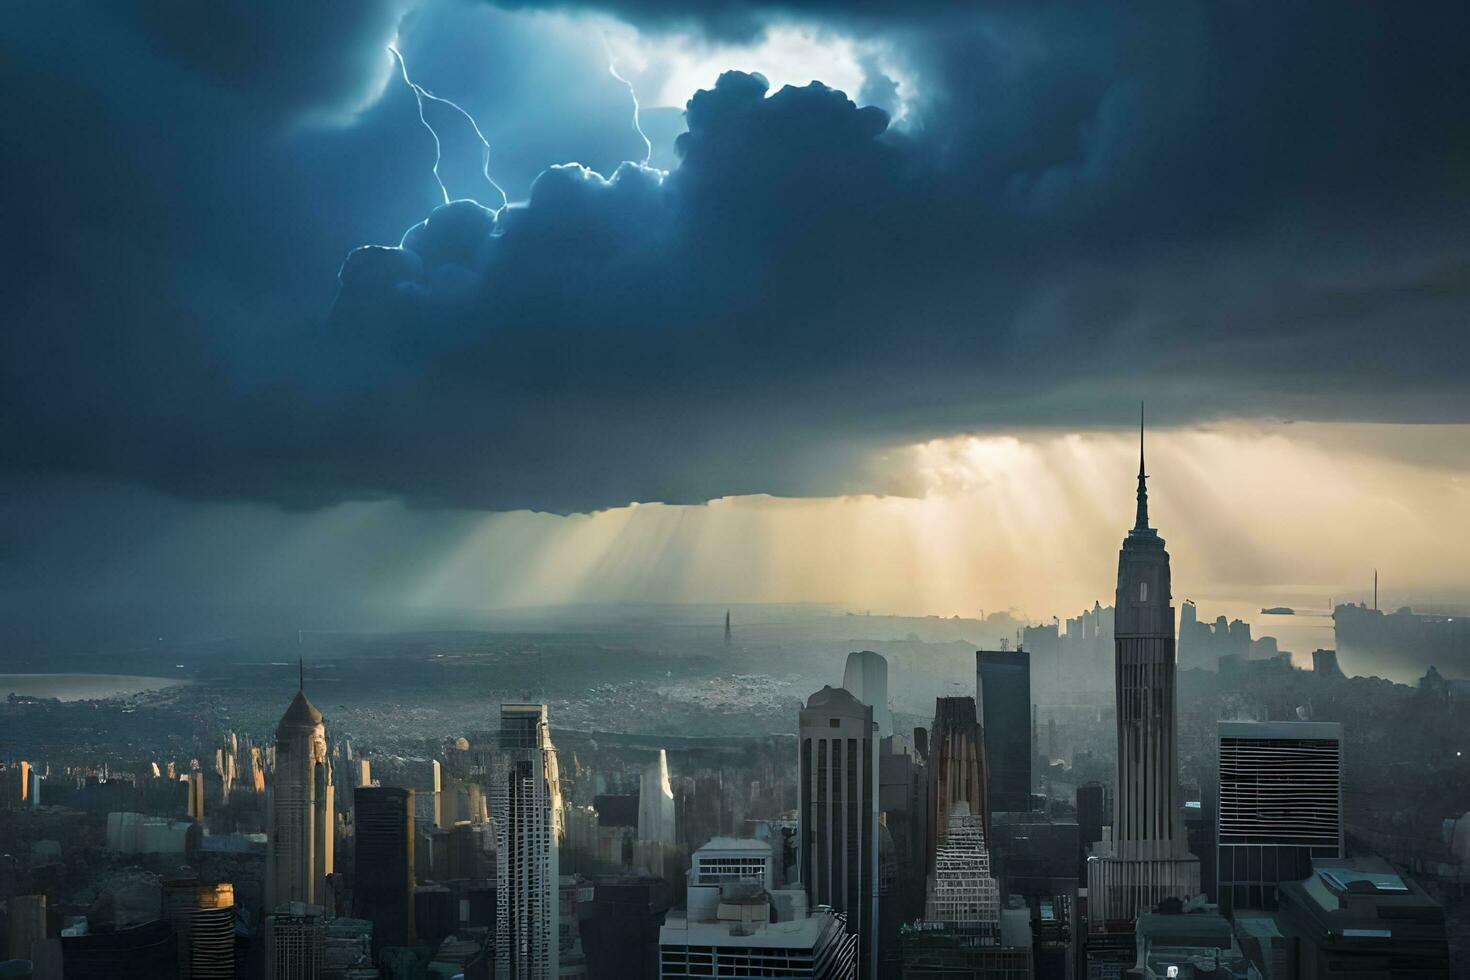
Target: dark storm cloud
1237 210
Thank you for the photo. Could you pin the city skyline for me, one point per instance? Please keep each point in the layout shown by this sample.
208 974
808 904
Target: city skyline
679 450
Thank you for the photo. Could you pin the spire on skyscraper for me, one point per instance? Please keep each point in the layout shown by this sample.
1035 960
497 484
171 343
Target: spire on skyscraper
1141 521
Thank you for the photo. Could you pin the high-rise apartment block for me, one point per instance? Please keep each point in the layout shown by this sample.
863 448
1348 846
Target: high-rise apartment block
526 808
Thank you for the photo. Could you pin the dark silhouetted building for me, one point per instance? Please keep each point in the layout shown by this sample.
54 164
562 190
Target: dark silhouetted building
1092 801
620 928
383 854
145 952
1003 695
1361 918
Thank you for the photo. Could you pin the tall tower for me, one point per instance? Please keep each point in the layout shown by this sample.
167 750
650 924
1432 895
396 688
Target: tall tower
957 770
383 852
299 855
837 833
526 808
1003 695
1150 859
866 677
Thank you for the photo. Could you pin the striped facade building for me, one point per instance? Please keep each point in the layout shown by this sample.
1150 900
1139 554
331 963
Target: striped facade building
1280 807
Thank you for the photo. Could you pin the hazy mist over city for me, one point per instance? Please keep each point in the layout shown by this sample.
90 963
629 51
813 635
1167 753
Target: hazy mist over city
544 489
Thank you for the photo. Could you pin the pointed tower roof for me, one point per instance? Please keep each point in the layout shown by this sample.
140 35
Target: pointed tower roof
1141 520
300 713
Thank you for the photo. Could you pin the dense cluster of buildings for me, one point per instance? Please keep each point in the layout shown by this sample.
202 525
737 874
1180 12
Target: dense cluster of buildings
919 854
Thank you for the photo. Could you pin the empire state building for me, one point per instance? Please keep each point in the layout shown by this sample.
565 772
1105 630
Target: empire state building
1148 859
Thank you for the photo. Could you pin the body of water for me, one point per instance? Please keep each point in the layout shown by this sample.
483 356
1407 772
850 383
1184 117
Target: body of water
81 687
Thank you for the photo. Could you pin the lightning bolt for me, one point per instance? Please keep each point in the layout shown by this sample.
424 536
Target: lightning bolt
612 70
420 94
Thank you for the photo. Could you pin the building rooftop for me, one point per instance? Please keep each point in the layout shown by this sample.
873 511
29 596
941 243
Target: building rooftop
300 713
794 934
1281 729
736 844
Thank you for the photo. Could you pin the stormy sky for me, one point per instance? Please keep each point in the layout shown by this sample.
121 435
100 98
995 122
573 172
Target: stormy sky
231 284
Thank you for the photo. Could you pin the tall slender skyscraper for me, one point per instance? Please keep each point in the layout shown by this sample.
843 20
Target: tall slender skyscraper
837 834
525 792
1149 859
1003 695
957 769
383 851
299 855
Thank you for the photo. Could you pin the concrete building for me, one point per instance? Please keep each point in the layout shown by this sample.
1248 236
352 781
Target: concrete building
301 830
837 835
138 833
729 859
1147 859
737 938
962 892
203 919
526 809
1280 806
383 857
1003 696
866 678
1185 947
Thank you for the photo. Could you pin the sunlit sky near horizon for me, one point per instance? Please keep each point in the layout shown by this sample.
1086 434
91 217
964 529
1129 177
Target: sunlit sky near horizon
1254 514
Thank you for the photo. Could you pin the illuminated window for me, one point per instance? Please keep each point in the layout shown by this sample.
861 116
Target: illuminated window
1143 592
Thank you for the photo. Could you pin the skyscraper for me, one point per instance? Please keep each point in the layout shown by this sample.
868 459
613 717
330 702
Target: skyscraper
1280 806
837 834
196 796
1149 858
525 792
1003 694
299 855
866 678
957 771
383 853
203 917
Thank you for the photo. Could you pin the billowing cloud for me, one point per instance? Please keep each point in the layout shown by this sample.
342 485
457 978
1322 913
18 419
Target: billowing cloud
1233 212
